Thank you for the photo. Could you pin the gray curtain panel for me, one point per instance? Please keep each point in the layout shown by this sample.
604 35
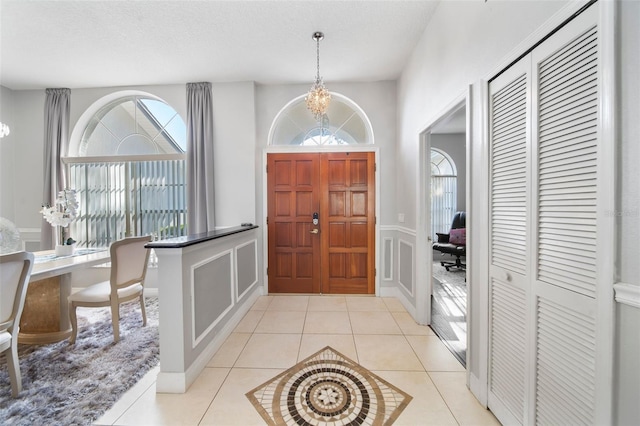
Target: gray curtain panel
200 217
56 134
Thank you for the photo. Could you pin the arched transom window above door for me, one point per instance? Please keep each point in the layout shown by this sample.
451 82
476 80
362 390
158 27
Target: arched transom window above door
345 123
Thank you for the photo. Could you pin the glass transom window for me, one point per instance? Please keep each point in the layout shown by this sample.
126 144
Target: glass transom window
343 124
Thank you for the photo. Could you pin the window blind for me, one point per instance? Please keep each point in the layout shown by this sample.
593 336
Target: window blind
119 199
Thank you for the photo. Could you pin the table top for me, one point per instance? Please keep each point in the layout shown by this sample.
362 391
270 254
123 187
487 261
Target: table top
47 264
189 240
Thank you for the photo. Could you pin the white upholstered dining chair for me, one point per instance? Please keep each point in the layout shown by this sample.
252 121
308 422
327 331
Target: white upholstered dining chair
129 260
15 270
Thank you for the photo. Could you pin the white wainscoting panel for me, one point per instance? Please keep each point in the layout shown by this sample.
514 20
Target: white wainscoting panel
387 259
246 267
406 268
212 284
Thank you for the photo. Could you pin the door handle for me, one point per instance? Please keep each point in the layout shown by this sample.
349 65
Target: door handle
314 231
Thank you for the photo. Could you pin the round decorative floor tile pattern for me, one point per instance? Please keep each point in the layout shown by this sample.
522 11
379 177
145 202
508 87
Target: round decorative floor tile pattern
328 389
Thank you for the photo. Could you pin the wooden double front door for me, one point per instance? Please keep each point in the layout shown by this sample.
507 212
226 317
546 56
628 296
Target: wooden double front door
336 254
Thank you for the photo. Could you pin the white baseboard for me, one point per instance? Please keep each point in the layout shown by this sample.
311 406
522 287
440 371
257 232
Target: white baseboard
171 383
478 389
180 382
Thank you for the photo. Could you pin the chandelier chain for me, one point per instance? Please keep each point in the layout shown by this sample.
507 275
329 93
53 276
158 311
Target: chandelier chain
317 59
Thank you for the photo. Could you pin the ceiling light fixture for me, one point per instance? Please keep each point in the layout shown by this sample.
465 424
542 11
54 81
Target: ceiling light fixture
4 130
318 98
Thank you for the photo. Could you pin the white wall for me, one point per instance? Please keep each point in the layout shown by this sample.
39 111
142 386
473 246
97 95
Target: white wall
464 42
628 212
28 137
7 174
234 121
627 375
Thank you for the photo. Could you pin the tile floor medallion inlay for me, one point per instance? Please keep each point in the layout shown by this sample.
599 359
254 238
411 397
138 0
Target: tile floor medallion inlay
328 388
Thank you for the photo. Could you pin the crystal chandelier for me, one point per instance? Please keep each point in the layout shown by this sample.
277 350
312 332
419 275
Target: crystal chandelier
318 98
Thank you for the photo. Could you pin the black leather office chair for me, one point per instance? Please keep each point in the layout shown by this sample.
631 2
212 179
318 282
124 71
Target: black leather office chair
453 243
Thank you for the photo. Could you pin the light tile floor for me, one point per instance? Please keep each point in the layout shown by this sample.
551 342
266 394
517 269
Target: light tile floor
280 331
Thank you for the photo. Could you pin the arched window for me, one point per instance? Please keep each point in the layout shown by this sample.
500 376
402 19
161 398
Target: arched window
343 124
134 125
443 192
129 171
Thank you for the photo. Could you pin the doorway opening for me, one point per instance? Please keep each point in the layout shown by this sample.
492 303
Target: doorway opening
445 171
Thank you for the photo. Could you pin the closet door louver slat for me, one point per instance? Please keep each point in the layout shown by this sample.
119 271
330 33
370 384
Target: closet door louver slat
561 155
509 158
565 365
565 144
508 346
508 175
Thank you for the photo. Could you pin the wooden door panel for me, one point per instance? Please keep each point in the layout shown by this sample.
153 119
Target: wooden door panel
359 265
337 234
337 265
359 234
283 265
281 173
337 204
305 238
337 174
348 243
359 173
282 206
282 234
304 204
304 265
293 197
359 204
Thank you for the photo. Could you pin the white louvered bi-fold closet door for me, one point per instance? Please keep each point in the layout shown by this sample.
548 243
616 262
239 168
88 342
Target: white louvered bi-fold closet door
566 239
510 248
544 142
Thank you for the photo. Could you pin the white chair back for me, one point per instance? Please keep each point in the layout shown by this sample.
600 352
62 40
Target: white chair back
129 259
15 270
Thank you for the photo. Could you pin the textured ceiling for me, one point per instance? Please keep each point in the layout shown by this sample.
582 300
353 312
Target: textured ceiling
79 44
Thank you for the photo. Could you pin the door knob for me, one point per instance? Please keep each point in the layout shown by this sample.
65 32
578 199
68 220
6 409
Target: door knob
314 231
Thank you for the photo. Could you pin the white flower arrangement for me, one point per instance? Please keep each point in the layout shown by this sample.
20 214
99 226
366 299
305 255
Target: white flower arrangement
62 213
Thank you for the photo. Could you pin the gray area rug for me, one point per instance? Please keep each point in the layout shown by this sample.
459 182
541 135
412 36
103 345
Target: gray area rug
66 384
449 309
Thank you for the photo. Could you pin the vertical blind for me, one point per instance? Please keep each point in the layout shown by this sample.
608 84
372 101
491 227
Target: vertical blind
120 199
443 204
